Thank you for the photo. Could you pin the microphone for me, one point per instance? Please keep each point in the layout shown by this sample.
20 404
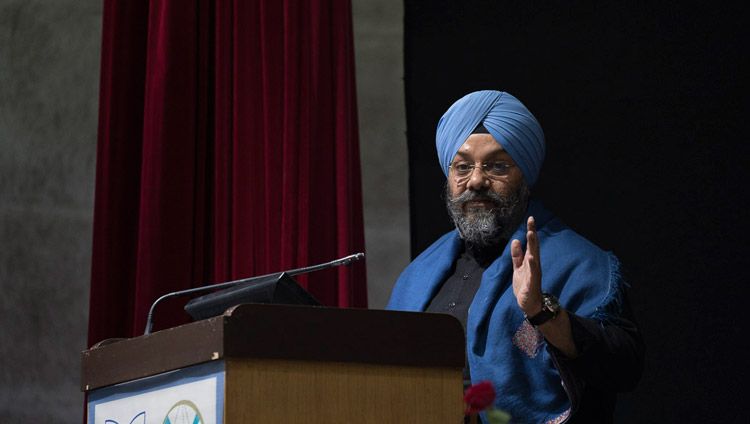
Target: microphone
346 261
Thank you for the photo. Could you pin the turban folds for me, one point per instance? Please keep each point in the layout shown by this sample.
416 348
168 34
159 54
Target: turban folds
505 117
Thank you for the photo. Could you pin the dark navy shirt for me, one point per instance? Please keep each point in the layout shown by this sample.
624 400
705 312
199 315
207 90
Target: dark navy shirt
457 292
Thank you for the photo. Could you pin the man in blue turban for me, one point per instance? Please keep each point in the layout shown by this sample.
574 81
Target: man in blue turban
545 311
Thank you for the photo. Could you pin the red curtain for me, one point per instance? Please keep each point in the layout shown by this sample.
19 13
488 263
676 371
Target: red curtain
227 148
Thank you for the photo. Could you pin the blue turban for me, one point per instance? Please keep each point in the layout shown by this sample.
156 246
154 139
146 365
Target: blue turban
505 117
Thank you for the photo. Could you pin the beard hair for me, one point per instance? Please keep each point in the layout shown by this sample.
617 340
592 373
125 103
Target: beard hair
483 227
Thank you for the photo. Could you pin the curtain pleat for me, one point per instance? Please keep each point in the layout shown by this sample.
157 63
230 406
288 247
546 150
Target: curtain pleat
227 148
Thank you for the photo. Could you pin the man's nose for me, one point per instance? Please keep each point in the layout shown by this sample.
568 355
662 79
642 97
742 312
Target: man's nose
478 179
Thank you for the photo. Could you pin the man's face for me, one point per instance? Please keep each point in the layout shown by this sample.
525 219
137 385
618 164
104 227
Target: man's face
483 149
488 201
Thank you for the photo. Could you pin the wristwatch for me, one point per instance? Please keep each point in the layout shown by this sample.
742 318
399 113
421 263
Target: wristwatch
550 308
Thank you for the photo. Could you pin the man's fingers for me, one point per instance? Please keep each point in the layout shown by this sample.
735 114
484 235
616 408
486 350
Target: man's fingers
532 242
516 253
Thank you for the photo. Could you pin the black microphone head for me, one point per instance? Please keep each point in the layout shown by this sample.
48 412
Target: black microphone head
354 258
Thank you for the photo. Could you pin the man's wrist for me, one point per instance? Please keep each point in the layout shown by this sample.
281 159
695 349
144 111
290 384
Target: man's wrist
533 311
532 305
547 310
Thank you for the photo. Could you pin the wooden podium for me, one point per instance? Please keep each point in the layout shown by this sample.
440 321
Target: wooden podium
289 364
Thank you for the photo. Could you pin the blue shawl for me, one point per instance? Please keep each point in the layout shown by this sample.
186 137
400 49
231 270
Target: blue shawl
501 346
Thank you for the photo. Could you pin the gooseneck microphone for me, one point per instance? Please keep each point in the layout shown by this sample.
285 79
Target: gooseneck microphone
348 260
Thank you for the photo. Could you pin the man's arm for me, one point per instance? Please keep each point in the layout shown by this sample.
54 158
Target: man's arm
527 287
602 354
610 355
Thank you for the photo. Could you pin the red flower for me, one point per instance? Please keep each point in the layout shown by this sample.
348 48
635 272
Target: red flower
479 396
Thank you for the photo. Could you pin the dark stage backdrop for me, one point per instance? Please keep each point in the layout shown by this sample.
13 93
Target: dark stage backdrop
644 110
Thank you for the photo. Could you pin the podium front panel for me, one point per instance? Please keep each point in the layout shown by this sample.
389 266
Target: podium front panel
192 395
310 392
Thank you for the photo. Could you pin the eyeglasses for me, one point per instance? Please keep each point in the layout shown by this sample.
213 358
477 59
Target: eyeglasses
462 170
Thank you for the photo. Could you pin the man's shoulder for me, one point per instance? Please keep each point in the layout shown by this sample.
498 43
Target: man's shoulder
416 282
556 232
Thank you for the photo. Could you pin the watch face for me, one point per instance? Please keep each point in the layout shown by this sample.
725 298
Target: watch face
551 302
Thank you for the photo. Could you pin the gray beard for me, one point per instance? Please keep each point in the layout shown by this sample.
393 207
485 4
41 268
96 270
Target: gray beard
482 227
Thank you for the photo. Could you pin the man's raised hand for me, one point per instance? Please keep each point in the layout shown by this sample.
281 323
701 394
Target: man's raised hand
527 271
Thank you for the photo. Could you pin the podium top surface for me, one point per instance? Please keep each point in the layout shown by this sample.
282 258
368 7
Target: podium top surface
282 332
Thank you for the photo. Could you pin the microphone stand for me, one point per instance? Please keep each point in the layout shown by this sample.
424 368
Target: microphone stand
348 260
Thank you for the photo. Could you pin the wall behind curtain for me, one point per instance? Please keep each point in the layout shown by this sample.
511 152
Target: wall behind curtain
49 77
228 148
378 39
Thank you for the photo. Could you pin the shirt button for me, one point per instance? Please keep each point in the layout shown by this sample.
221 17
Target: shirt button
465 276
452 304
